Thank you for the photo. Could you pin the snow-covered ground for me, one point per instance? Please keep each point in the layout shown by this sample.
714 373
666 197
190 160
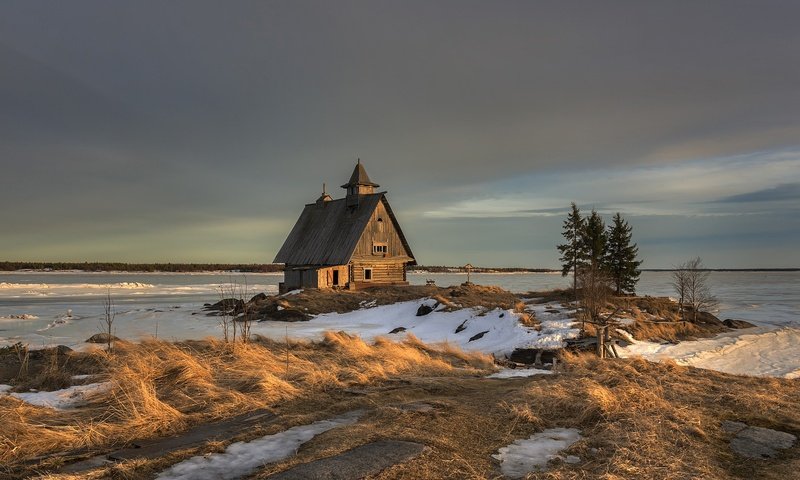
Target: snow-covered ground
519 372
759 351
243 458
532 454
496 331
71 397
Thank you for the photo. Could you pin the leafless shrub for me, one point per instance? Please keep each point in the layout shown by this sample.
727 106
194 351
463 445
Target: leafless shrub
690 281
236 319
107 321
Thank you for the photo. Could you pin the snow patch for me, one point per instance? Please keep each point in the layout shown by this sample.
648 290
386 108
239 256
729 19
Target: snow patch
519 372
504 332
532 454
71 397
756 352
243 458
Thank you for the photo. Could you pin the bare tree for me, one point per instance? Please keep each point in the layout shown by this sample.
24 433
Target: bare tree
690 280
595 288
680 282
107 321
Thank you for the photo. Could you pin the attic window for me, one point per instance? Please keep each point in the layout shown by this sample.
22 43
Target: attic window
379 249
380 224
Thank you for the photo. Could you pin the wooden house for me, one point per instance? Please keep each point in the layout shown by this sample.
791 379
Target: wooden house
353 242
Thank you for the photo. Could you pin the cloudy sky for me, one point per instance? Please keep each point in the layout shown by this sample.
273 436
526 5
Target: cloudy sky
195 131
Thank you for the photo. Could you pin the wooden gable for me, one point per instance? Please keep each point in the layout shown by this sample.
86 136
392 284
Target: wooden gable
382 239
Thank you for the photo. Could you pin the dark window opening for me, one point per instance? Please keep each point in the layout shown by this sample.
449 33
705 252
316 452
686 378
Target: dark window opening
379 248
367 274
336 277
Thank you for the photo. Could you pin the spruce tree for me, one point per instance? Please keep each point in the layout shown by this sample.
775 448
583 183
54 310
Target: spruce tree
573 252
594 240
620 257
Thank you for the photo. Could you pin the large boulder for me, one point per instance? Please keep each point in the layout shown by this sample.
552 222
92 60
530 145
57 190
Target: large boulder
102 338
258 298
731 323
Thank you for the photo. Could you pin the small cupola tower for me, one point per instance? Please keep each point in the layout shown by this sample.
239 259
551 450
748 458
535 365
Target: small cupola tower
324 197
359 184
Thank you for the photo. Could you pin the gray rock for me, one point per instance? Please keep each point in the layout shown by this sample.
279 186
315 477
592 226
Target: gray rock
757 442
360 462
731 323
424 310
101 338
420 407
477 336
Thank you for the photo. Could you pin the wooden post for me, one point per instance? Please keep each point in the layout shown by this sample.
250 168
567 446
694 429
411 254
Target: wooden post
468 267
601 351
607 343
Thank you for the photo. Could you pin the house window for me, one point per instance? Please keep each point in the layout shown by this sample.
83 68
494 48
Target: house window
367 274
379 249
380 225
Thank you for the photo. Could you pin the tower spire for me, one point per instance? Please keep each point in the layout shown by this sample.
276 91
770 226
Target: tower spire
359 184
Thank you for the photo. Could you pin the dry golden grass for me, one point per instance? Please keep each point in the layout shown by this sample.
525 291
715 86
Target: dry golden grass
671 332
638 419
158 388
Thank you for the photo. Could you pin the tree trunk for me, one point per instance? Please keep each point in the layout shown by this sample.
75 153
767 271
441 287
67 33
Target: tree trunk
575 282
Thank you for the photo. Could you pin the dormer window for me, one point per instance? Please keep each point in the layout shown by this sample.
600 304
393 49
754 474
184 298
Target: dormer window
380 249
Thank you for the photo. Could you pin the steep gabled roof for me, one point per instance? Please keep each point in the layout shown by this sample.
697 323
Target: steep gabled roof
327 234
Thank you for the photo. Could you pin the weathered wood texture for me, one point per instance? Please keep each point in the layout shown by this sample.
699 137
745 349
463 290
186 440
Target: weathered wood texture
328 233
334 242
382 272
380 230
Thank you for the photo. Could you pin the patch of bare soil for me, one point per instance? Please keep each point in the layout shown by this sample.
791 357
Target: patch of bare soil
301 306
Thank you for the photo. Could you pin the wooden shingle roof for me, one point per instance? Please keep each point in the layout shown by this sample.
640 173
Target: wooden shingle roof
360 177
327 233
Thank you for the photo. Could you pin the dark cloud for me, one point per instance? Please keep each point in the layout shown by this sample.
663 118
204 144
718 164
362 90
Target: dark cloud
786 191
170 116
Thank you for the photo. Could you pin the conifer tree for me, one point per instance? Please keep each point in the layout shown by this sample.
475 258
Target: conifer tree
573 251
620 256
594 240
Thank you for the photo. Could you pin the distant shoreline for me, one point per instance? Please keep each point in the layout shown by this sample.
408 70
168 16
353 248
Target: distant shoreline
114 267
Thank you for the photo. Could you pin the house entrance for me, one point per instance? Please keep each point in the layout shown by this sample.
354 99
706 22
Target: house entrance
336 277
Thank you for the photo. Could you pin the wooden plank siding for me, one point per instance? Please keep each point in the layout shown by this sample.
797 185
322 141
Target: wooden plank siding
380 229
382 272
